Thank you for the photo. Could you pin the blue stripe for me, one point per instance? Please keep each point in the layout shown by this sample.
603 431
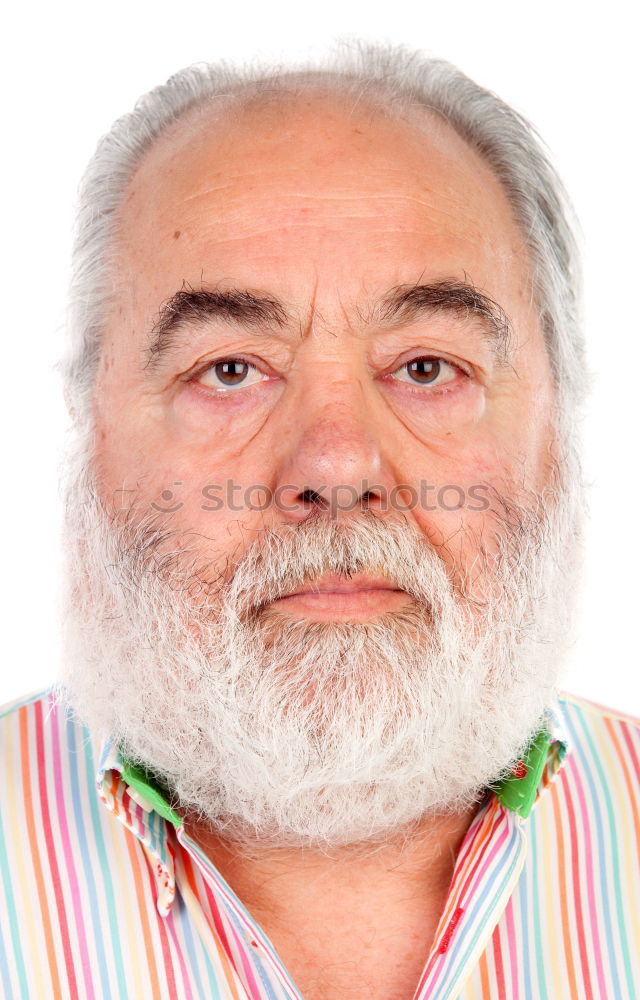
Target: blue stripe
179 915
528 922
14 706
510 855
599 791
4 965
258 964
81 832
211 973
95 805
13 921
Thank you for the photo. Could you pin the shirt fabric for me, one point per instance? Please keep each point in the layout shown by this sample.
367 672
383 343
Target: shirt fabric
103 895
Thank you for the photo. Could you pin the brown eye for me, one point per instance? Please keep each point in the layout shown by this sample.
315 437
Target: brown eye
424 369
229 373
427 371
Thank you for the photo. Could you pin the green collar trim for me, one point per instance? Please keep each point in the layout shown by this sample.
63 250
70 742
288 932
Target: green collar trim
519 789
151 791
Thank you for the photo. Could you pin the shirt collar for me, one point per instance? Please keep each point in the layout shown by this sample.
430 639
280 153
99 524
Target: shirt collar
521 789
139 802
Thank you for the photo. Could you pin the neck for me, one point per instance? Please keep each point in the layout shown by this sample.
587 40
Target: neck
353 923
283 886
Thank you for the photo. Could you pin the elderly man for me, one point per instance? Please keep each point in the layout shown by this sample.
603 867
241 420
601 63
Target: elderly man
323 522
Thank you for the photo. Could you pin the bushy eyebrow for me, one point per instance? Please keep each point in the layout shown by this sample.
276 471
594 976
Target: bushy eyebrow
191 307
408 303
195 307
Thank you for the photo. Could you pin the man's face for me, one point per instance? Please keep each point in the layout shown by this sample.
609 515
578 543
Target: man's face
326 211
299 316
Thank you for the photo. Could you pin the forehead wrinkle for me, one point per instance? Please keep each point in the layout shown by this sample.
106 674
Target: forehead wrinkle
306 325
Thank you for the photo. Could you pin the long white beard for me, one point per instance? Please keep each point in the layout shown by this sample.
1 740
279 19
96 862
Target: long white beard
320 733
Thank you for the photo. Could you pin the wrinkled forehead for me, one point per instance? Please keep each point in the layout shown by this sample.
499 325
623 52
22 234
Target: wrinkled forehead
314 197
311 151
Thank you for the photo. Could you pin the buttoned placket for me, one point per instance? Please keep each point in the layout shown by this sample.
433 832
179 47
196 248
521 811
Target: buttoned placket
482 884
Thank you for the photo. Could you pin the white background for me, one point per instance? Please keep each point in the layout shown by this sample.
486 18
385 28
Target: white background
70 69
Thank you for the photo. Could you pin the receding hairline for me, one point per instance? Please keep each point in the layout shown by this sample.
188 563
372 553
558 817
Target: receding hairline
344 95
277 90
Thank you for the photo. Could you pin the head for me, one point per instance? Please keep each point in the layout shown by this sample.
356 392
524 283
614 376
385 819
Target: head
324 504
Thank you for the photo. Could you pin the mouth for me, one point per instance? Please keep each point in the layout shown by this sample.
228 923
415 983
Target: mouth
333 598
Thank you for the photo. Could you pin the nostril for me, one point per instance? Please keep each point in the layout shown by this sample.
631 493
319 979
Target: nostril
310 496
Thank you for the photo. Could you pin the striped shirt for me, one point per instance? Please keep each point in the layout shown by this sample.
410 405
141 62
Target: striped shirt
102 893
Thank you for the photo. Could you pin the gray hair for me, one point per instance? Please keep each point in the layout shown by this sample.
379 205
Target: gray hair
389 77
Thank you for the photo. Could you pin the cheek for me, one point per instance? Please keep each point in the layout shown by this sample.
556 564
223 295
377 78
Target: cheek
229 420
223 454
458 489
211 511
431 417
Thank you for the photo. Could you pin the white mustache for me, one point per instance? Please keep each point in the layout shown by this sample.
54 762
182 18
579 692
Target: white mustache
285 559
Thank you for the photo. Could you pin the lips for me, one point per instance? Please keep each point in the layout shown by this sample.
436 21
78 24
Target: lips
331 583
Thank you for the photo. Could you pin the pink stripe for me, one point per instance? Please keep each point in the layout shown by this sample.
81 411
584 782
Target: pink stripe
51 852
179 951
214 910
498 965
512 952
438 961
162 934
467 845
574 888
634 756
466 863
141 817
254 989
594 937
68 854
474 876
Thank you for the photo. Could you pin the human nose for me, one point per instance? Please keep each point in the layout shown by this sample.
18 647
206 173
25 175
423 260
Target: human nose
335 464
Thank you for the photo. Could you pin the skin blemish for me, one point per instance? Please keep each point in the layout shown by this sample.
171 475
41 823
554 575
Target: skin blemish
177 234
